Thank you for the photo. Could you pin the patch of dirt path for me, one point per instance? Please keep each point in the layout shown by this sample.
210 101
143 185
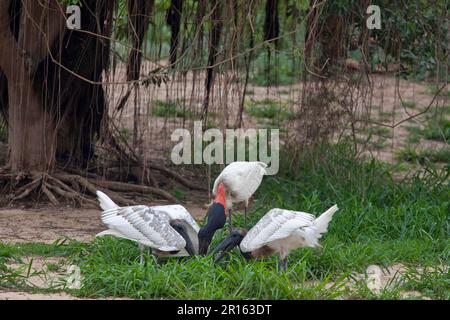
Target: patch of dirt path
50 224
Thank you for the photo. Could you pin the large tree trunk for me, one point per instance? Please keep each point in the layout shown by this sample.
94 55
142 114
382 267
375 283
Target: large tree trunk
75 91
50 77
31 128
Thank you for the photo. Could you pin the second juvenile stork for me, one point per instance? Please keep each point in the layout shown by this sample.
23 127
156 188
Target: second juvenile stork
168 230
279 230
240 179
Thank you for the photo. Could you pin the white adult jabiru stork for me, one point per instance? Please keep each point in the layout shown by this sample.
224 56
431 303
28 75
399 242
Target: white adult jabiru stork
168 230
279 230
240 179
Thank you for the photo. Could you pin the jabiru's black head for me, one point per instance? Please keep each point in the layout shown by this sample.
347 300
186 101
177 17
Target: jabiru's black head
181 228
233 240
216 220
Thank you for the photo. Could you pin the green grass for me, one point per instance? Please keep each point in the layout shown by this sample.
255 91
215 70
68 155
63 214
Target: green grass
386 115
415 133
16 277
170 109
446 110
409 104
281 71
434 89
58 248
435 283
379 131
375 137
438 130
179 194
381 221
268 109
423 156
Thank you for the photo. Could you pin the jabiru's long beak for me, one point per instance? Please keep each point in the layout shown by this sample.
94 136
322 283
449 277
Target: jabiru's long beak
189 245
203 245
230 242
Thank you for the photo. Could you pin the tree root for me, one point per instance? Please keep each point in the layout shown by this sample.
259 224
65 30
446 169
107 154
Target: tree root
60 187
177 177
125 187
124 151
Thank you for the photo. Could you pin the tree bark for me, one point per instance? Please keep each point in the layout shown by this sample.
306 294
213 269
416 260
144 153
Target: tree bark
31 128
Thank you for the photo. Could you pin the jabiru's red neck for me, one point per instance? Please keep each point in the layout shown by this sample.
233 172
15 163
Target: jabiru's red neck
220 196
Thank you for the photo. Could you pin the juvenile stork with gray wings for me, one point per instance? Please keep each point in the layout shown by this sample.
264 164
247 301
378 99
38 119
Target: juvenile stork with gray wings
279 230
168 230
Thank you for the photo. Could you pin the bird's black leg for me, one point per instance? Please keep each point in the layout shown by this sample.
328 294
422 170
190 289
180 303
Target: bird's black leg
282 264
229 220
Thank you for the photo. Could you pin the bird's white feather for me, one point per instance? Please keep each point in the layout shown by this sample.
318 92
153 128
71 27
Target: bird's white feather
321 223
241 179
141 224
314 232
295 228
149 226
274 225
109 232
105 201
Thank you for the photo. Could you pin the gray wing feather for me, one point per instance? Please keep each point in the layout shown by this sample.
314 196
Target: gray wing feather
274 225
176 211
142 224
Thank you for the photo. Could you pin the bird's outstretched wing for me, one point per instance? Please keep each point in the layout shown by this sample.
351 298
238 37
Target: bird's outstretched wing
142 224
274 225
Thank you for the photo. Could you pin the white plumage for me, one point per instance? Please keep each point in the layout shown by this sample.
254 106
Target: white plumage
241 179
282 230
177 212
149 226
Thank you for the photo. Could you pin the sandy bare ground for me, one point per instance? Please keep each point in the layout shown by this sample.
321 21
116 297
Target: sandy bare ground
18 295
42 277
50 224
